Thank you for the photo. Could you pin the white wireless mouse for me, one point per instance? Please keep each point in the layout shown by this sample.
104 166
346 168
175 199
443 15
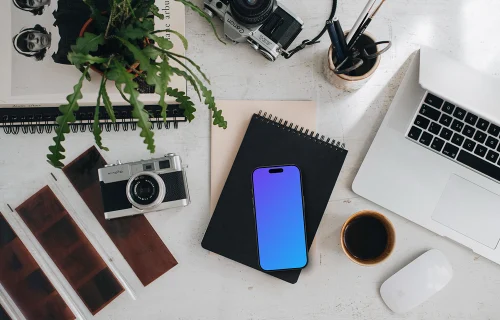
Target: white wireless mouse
417 282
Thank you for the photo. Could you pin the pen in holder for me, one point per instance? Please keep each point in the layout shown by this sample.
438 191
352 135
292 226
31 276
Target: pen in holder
353 80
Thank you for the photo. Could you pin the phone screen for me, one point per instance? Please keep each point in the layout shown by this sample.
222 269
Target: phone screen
279 215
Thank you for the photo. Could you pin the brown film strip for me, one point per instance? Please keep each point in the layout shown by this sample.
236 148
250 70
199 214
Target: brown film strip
24 281
70 249
134 236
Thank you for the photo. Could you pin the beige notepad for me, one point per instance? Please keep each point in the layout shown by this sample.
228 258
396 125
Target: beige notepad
225 143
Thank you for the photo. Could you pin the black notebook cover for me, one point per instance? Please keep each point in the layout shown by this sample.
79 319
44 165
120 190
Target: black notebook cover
269 141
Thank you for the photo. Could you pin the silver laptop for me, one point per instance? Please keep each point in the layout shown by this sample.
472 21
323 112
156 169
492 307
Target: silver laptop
436 158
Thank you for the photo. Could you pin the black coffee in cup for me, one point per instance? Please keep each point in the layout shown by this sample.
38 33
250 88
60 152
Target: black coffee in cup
367 237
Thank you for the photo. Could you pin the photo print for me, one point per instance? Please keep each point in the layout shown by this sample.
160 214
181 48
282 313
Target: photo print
36 7
32 42
43 32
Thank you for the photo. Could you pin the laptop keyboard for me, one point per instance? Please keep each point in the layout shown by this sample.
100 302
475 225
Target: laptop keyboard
458 135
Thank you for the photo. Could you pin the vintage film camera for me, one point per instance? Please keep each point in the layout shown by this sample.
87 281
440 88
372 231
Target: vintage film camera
144 186
267 25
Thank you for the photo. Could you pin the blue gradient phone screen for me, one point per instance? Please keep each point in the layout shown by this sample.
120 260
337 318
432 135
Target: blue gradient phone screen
280 218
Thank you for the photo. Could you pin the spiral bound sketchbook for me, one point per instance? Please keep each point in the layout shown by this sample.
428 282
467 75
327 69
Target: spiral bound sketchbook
43 119
35 82
271 141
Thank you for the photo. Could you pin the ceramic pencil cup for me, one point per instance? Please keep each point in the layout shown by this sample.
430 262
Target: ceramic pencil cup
353 80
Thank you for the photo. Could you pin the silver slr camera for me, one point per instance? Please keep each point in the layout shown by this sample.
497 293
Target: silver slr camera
267 25
144 186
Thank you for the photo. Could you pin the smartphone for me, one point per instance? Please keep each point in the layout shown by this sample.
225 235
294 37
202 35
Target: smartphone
279 216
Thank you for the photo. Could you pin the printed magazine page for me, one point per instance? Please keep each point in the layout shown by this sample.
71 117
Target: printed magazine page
36 37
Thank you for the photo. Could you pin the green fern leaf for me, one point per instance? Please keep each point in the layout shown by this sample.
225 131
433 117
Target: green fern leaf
146 24
107 102
143 59
203 14
190 79
96 14
79 59
156 12
151 52
142 8
91 4
96 129
119 88
192 63
180 72
207 94
145 63
132 32
162 42
67 116
210 102
163 80
178 34
183 39
88 43
126 85
185 102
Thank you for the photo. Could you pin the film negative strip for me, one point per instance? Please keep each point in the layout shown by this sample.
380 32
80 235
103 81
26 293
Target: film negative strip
24 281
134 236
71 251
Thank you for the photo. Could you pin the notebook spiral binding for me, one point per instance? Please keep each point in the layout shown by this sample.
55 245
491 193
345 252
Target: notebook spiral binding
309 134
40 120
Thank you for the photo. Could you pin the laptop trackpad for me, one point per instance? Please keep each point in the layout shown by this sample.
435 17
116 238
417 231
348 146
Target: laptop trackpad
470 210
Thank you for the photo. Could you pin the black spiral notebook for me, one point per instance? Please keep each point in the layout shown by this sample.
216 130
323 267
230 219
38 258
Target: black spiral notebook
43 119
271 141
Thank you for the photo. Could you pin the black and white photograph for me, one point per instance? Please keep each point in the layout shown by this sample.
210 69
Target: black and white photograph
42 33
36 7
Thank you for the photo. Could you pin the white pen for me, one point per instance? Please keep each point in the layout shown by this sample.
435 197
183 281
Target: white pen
360 20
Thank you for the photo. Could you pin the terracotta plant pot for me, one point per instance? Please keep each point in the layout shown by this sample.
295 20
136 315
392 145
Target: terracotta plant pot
134 66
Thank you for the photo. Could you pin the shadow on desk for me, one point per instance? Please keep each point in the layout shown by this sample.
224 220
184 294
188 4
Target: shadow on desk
375 114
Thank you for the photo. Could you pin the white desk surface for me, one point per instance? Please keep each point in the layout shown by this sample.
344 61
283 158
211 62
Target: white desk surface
206 286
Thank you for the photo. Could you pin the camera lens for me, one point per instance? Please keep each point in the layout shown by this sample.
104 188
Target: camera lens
252 11
145 190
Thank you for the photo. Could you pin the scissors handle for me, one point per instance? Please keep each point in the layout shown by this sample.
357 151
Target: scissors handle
356 63
374 45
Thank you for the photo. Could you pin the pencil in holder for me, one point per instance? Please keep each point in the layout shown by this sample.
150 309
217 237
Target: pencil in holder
355 79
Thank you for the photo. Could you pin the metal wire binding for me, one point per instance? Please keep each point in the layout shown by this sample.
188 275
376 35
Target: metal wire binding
311 134
35 124
24 127
40 127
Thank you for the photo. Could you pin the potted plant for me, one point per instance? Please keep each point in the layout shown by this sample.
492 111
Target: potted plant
123 46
